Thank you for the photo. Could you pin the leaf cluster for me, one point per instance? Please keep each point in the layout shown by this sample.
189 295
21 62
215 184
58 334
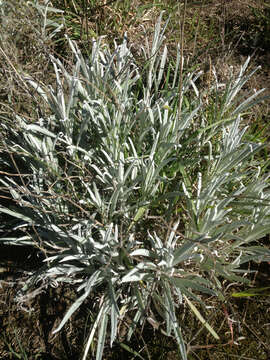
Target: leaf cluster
115 151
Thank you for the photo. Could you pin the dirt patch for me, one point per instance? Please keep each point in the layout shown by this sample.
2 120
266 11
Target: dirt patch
241 323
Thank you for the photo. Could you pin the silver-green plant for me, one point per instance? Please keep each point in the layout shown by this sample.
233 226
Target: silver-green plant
113 153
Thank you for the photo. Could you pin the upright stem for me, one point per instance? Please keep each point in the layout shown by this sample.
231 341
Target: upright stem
181 40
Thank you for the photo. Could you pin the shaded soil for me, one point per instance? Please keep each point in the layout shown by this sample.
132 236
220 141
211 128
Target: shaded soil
243 324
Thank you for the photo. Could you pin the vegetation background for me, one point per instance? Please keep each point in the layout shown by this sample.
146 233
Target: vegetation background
216 34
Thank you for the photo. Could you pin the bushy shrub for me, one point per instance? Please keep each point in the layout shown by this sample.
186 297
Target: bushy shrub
141 206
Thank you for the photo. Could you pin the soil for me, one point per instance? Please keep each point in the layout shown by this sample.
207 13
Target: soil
243 324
